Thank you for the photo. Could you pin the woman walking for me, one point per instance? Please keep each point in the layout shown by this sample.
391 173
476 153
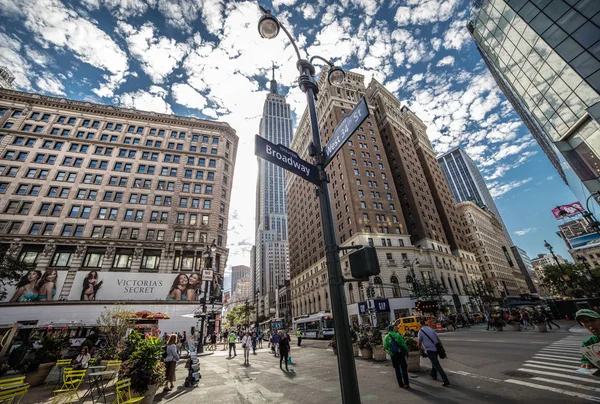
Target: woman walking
284 351
246 343
171 361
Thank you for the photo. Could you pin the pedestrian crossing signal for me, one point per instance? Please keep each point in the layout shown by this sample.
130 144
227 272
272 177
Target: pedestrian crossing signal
364 263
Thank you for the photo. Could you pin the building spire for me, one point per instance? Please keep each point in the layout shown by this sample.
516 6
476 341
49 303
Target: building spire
273 82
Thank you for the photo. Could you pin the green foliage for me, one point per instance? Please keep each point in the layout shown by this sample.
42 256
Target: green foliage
113 324
26 360
480 290
580 284
144 365
11 271
376 337
132 342
428 289
238 315
353 336
411 342
537 317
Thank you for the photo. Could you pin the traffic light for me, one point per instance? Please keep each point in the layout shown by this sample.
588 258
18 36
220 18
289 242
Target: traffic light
364 263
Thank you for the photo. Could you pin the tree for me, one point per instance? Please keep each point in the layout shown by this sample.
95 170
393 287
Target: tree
578 283
11 271
239 315
427 289
113 323
481 292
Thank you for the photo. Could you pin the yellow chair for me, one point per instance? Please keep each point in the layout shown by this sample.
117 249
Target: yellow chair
9 394
114 363
92 361
124 393
12 381
60 364
72 379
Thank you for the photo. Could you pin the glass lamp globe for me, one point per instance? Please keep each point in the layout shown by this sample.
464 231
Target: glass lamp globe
336 76
268 27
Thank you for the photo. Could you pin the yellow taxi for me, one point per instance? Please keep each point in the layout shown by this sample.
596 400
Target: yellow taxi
408 324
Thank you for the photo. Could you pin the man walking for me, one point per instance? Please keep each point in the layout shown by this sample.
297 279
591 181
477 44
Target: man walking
225 339
548 319
260 338
428 339
396 347
275 342
232 337
299 336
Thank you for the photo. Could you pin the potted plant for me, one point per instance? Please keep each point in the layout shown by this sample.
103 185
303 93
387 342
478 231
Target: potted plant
364 344
37 364
377 343
497 323
143 365
537 318
333 345
354 337
414 356
514 319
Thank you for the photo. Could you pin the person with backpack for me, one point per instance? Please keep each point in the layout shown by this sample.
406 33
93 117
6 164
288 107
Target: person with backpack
284 350
396 347
429 340
232 338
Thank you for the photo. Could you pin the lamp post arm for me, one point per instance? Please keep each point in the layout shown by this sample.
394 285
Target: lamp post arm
320 58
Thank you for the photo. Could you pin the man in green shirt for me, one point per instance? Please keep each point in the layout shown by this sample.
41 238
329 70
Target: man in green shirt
396 347
232 337
299 336
590 320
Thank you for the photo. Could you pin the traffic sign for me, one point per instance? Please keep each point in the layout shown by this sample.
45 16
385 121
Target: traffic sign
207 275
345 129
285 158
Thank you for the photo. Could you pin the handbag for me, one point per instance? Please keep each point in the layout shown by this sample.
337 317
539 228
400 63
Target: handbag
243 346
440 348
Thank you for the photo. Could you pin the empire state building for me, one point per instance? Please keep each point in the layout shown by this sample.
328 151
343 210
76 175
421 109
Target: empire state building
271 265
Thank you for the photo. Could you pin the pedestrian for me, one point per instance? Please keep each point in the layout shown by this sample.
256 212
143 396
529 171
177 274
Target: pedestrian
82 360
171 361
225 339
299 336
254 342
184 344
429 339
591 320
284 350
525 319
232 338
548 319
246 343
213 341
396 347
488 320
275 343
261 335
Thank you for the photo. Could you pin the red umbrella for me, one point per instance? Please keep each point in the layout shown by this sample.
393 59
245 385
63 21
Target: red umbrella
143 314
160 316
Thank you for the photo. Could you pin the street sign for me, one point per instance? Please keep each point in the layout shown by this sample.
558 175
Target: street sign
207 275
345 129
285 158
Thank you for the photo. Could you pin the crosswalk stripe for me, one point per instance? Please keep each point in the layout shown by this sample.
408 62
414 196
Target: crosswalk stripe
560 354
541 372
554 389
545 357
556 365
566 346
571 351
563 383
550 368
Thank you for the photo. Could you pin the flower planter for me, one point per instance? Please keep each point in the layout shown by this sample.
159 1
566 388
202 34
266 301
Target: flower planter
541 327
516 327
379 353
38 377
366 353
355 350
148 395
414 361
499 328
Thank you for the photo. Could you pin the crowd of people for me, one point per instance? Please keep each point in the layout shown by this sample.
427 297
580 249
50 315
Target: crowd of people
251 339
524 317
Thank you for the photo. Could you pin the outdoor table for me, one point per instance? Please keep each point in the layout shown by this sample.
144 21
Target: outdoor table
98 368
95 381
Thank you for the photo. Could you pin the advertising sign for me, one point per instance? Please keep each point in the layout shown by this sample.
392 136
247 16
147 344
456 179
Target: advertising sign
285 158
36 286
584 241
592 352
362 308
569 210
345 129
94 285
381 305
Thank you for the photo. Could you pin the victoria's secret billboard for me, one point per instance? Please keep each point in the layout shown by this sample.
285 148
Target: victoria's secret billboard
95 285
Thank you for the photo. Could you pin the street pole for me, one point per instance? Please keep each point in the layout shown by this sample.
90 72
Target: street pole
202 318
346 366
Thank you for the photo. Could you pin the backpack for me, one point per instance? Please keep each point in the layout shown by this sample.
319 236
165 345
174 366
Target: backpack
394 346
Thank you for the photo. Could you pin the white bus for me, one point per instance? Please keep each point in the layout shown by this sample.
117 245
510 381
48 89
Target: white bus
316 326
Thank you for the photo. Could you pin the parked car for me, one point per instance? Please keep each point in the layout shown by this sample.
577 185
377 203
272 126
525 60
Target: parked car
408 324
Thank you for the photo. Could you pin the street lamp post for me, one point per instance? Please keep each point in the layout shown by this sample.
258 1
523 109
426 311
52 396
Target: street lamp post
587 266
209 250
565 276
268 27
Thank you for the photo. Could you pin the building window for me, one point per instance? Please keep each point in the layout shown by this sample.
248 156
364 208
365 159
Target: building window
123 259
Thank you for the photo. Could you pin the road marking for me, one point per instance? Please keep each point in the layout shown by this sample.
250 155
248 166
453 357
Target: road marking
550 368
462 373
547 357
558 354
556 365
541 372
554 389
578 386
561 350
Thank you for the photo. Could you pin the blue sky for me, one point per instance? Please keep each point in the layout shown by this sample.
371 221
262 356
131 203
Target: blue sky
205 58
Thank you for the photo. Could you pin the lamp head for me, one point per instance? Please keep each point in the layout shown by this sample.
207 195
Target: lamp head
336 76
213 246
547 245
268 26
417 262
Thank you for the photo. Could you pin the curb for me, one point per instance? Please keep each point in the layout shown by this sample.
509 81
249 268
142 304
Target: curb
577 329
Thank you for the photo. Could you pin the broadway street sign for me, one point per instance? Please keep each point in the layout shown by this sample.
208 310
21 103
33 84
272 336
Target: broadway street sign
345 129
285 158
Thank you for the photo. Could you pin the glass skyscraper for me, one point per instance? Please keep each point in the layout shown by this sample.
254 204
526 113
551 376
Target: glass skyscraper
545 56
466 182
271 267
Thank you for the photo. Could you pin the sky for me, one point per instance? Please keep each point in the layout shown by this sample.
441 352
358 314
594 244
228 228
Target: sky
205 58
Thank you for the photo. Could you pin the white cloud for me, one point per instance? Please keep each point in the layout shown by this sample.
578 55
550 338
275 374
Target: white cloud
61 27
456 36
446 61
497 189
309 12
421 12
212 15
10 57
180 14
119 8
151 100
158 55
523 232
50 85
36 56
185 95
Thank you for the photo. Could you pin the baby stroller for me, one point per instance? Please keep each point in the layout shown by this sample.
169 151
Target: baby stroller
193 366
